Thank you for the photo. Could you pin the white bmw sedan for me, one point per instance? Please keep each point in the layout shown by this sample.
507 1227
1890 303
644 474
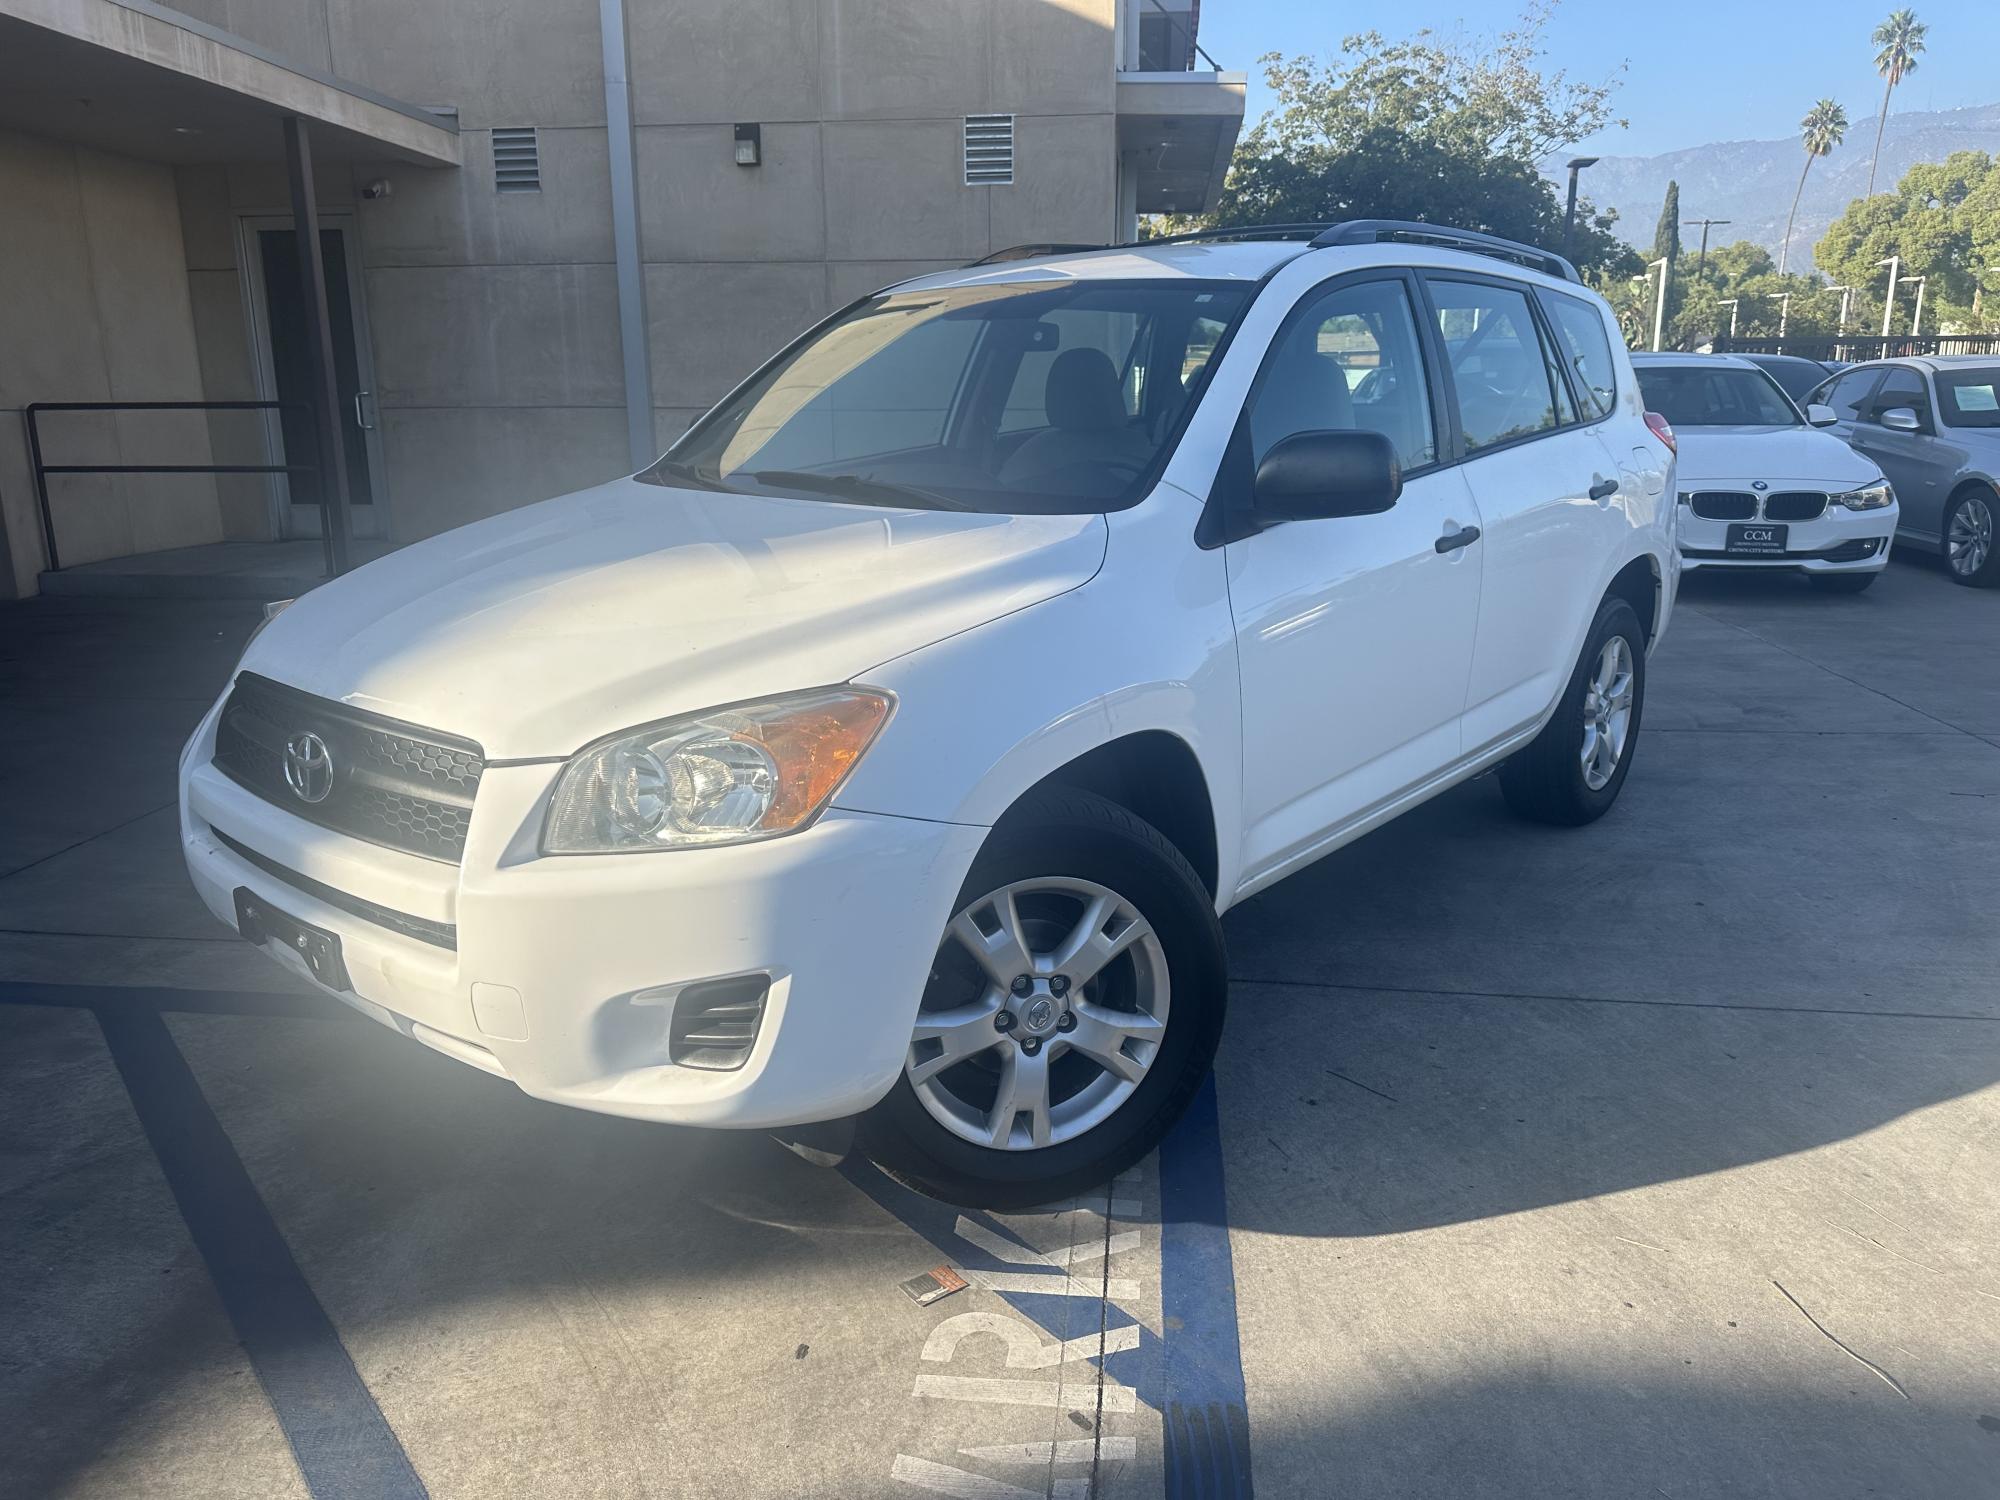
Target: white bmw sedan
1760 486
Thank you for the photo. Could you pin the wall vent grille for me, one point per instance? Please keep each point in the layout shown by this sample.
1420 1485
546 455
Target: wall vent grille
989 150
517 160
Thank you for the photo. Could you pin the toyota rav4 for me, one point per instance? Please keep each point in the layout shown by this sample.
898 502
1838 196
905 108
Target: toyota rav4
888 752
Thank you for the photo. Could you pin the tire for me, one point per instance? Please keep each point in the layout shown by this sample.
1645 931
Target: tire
1548 781
1971 545
1056 851
1843 583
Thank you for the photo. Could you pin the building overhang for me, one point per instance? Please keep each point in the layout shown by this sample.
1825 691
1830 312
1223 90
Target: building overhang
1176 132
138 79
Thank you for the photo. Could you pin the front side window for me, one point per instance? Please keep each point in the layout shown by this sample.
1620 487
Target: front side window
1351 360
1969 398
1580 331
1901 390
1848 394
1716 395
1049 397
1499 371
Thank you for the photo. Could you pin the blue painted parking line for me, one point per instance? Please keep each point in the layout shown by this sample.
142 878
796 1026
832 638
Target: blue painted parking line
1201 1393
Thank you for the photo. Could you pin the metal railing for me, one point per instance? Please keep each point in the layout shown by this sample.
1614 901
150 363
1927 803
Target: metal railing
1852 347
34 410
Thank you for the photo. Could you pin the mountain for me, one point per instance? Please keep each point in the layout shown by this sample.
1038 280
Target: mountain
1751 182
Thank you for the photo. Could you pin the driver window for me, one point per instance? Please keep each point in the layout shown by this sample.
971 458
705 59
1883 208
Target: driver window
1848 394
1352 361
1903 389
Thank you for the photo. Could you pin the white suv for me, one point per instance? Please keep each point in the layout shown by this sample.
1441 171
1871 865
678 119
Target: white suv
892 747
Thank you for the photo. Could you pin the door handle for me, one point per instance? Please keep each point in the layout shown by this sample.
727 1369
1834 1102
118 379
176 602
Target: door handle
1603 489
1451 541
359 420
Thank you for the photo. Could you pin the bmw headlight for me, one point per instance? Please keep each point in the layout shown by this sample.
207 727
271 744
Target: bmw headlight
1877 496
727 776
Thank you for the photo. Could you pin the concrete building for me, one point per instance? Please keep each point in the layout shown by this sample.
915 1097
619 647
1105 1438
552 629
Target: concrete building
553 231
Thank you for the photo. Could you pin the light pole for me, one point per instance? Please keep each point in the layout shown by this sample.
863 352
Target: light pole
1917 317
1784 311
1731 303
1660 304
1576 165
1845 293
1701 261
1895 264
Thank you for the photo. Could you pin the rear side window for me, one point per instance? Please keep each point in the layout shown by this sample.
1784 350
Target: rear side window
1969 398
1350 360
1593 370
1498 371
1848 394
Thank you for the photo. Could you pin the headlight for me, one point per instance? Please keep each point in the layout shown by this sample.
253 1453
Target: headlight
1877 496
728 776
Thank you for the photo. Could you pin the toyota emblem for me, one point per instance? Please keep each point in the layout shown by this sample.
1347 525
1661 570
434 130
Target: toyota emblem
308 767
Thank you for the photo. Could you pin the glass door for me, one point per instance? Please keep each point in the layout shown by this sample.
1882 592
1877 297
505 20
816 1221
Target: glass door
278 309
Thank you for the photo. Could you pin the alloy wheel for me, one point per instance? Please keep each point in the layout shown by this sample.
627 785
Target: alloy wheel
1970 540
1607 714
1046 1008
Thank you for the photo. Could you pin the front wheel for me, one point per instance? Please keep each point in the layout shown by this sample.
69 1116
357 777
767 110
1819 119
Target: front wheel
1571 773
1969 551
1071 1013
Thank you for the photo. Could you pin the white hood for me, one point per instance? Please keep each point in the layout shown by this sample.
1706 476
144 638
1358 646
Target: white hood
1787 457
538 631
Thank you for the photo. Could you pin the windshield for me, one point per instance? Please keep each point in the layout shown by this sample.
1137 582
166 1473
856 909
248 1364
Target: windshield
1969 398
1048 397
1716 396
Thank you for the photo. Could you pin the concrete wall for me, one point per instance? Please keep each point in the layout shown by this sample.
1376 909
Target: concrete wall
494 317
96 307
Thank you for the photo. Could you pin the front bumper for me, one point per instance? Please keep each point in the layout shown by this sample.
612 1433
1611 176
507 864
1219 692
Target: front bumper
1838 541
566 969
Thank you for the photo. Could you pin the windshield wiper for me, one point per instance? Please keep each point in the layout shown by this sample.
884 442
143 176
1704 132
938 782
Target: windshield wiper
856 487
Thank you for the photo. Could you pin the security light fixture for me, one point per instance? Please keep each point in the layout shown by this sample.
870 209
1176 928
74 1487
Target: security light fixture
749 145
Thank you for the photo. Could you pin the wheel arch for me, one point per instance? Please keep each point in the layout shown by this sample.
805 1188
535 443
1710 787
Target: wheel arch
1639 584
1156 776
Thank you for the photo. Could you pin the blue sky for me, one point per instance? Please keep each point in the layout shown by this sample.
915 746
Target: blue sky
1701 70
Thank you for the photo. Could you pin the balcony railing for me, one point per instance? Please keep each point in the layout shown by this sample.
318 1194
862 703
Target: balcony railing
1161 36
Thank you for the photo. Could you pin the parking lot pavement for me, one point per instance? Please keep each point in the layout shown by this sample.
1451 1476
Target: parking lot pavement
1661 1157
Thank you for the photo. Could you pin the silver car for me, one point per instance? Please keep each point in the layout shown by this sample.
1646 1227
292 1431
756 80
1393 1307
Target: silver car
1933 425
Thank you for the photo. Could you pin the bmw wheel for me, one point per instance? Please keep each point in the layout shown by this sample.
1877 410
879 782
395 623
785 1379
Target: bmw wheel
1073 1009
1969 539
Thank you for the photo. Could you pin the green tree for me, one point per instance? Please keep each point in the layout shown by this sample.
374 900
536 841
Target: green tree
1823 128
1942 222
1897 41
1434 127
1667 233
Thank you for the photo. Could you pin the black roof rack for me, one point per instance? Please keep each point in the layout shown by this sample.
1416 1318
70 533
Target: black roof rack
1323 235
1373 231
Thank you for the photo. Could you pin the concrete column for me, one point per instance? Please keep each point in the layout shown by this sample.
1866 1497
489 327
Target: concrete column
319 348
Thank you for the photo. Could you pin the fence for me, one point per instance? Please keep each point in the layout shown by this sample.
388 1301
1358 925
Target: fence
1852 348
43 470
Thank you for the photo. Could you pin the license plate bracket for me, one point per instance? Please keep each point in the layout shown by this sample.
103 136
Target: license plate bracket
1756 539
260 922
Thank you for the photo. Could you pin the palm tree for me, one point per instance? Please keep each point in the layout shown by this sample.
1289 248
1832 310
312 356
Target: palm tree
1898 41
1823 128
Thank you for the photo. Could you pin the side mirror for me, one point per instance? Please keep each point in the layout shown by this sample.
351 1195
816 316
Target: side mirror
1901 419
1312 476
1821 416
